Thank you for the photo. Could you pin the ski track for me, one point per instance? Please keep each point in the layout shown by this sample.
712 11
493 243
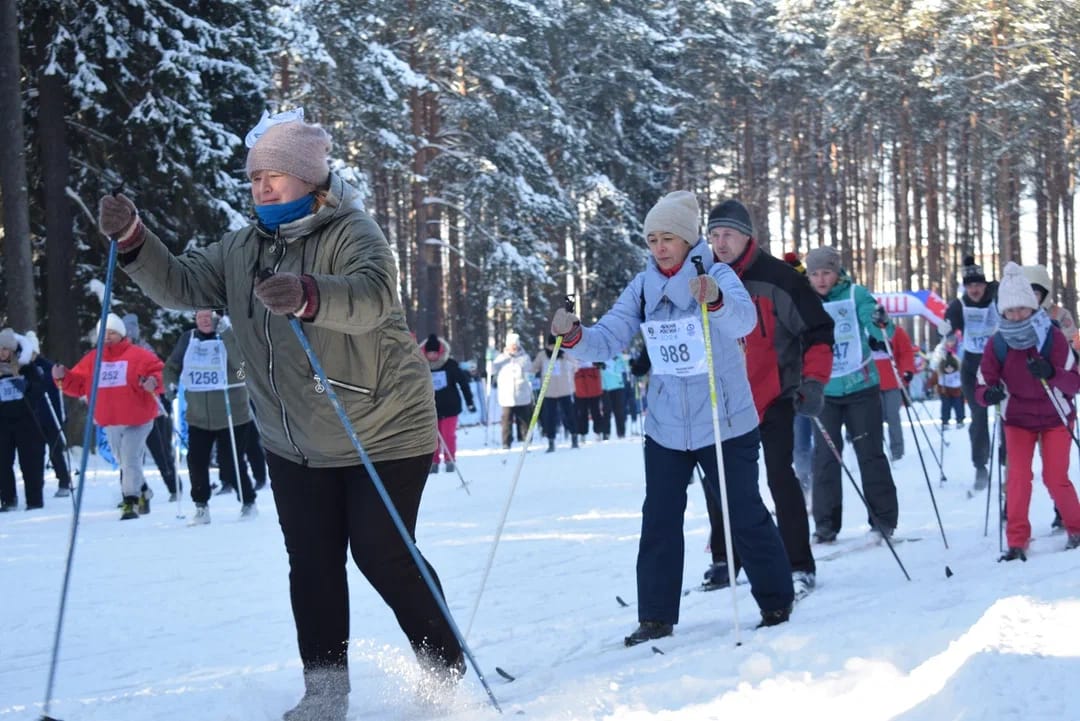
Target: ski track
170 622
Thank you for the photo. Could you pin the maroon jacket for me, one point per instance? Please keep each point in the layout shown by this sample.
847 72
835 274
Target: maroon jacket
1026 403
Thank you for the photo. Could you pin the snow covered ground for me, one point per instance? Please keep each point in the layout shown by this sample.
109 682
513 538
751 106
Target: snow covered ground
169 622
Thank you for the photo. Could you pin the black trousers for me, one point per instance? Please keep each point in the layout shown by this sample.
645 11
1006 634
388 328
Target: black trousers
57 454
22 435
586 407
615 407
325 511
778 443
979 428
860 412
256 457
159 443
555 409
200 443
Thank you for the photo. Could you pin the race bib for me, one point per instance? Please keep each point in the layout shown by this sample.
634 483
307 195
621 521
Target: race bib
676 347
11 389
978 327
113 374
438 379
205 366
847 336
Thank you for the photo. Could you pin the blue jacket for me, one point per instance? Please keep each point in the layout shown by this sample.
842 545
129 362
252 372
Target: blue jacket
680 410
613 374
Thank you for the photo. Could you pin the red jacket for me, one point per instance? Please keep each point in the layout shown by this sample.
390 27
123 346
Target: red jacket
587 382
794 334
121 401
903 354
1026 403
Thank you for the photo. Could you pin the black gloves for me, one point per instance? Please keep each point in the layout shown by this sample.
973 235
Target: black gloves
880 318
908 375
876 344
1040 368
471 408
810 398
994 394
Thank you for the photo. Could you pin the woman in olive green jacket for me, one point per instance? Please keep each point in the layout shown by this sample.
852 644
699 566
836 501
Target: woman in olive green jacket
333 269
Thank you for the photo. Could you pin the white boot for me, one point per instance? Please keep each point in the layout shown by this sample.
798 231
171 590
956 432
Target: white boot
202 515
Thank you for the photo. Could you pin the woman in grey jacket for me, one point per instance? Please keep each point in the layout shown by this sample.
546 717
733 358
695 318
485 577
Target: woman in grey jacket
334 271
664 303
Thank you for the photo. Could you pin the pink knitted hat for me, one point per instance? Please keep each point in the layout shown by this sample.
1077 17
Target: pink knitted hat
296 148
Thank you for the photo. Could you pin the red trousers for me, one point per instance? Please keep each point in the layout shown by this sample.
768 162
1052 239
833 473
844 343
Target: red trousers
1055 452
448 431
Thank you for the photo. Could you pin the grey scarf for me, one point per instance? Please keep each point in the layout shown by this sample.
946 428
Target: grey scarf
1028 333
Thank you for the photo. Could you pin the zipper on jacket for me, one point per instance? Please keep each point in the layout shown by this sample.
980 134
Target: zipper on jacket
348 386
273 381
760 318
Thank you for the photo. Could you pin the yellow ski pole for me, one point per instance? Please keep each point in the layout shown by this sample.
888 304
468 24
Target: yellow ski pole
517 476
719 455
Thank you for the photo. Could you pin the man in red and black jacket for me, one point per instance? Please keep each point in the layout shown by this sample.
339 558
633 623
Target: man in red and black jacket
788 360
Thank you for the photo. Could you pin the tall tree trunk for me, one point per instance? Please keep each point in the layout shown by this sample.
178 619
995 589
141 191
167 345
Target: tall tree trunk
18 264
62 335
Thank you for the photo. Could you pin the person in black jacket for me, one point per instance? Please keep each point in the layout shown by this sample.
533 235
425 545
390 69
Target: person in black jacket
975 315
789 360
49 412
21 386
447 377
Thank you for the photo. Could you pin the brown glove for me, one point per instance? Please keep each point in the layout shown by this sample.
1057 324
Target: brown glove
118 219
287 293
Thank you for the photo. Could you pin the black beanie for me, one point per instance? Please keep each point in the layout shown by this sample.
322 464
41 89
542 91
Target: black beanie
731 214
432 344
972 273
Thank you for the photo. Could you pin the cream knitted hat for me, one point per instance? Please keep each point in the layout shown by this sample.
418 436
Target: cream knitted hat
676 213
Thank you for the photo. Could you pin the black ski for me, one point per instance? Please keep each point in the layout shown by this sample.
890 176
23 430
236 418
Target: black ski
865 546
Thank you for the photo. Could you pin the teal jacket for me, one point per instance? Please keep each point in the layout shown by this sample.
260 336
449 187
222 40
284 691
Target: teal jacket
866 376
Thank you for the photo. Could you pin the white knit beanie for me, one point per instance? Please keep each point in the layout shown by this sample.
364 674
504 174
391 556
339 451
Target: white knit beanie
114 323
677 213
296 148
1014 290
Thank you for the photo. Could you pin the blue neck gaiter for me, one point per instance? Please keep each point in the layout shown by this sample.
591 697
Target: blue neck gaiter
272 216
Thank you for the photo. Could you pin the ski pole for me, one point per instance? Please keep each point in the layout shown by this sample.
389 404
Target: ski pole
517 476
926 436
421 565
106 301
62 437
993 441
720 473
1002 501
232 440
918 446
453 459
1060 412
873 516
